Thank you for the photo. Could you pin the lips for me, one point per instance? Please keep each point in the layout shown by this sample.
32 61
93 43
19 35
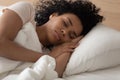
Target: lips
57 35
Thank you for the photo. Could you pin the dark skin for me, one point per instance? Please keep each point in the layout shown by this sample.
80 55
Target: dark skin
59 29
63 53
64 37
62 31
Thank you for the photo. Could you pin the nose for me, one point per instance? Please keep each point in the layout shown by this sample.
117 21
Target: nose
63 32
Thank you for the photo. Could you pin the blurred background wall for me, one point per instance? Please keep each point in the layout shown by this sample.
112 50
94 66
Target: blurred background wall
109 8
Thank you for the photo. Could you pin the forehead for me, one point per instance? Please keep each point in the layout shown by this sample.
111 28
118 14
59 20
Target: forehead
76 22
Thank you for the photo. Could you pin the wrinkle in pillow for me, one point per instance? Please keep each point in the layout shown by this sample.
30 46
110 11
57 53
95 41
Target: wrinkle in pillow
99 49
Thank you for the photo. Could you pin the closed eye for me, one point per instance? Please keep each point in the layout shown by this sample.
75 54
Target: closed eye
65 24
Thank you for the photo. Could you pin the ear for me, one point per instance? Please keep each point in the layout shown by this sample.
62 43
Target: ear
53 15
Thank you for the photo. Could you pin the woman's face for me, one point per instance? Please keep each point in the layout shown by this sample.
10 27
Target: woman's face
63 28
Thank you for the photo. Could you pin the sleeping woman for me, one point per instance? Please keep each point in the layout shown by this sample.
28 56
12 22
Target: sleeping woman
58 23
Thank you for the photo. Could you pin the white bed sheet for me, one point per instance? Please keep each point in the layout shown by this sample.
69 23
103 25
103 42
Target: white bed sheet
106 74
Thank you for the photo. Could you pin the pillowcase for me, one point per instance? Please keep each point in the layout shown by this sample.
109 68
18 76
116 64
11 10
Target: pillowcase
99 49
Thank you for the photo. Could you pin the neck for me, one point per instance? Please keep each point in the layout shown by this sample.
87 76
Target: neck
41 32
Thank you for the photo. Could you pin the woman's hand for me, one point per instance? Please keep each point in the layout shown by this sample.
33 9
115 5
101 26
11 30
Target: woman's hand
67 47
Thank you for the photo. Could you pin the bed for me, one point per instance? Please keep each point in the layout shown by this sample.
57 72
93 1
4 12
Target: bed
112 15
106 74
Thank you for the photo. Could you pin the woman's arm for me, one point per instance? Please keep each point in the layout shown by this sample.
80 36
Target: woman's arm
11 50
10 24
61 62
63 53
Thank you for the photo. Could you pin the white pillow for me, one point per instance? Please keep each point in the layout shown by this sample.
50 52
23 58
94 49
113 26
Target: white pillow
99 49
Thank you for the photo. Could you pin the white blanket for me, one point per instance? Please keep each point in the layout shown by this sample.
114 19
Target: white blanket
43 69
27 38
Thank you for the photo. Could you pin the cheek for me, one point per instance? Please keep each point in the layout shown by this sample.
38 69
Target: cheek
56 23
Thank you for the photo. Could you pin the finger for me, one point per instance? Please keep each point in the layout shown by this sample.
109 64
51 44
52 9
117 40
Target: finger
77 39
68 44
69 51
72 46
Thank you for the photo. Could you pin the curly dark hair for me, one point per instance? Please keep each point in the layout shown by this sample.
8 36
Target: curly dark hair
86 11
